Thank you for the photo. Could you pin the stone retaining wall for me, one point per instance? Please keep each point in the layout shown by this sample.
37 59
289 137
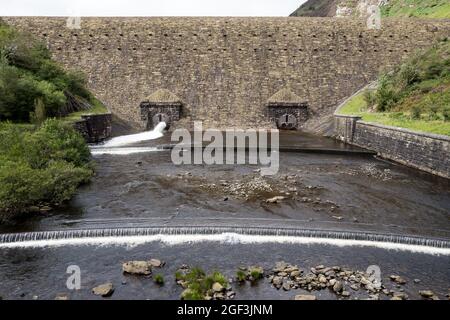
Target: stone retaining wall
94 128
424 151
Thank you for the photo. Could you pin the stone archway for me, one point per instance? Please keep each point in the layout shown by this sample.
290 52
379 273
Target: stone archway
161 105
287 110
287 121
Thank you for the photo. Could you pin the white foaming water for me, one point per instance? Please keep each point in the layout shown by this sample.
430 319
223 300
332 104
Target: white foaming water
227 238
133 138
122 151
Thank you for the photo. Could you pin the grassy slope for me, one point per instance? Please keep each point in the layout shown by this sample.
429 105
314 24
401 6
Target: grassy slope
417 8
357 106
416 95
395 8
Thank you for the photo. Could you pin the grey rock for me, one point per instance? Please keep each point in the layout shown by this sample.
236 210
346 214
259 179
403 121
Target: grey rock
156 263
338 286
137 267
217 287
397 279
426 293
104 290
305 297
62 296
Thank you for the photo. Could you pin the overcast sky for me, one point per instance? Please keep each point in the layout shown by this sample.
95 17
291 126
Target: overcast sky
148 7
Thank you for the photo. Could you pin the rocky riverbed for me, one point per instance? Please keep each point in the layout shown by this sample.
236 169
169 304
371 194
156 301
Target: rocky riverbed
344 283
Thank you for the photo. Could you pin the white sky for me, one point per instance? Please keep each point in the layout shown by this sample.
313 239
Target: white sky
148 7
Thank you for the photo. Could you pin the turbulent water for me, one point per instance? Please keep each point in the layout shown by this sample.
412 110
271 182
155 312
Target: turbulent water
134 138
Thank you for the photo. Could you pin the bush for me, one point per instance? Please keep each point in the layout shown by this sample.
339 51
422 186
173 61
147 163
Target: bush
55 141
422 82
41 166
159 279
416 112
370 98
27 74
198 284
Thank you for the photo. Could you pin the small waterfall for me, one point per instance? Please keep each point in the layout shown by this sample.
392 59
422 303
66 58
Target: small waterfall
133 138
231 235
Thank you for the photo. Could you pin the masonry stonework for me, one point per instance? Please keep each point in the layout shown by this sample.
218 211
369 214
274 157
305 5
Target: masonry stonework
225 69
94 128
424 151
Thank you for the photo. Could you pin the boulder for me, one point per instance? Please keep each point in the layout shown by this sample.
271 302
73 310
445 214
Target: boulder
137 267
104 290
397 279
62 296
156 263
305 297
426 293
217 287
338 286
275 199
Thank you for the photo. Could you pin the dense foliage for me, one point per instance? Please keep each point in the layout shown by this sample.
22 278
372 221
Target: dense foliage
30 82
420 86
42 166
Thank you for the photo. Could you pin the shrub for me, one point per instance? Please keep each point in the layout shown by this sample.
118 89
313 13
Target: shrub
256 273
199 284
55 141
27 74
41 166
422 82
369 98
416 112
446 114
39 114
159 279
241 275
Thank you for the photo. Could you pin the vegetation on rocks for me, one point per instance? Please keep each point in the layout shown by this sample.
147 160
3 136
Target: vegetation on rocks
40 167
201 286
415 95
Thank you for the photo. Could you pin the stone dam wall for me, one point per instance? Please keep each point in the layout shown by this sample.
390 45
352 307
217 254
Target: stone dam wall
225 69
427 152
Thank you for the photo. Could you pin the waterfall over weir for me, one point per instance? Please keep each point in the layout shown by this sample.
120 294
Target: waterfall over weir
232 235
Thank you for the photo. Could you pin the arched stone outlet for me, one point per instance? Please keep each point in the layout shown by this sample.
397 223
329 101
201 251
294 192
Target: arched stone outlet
287 122
160 117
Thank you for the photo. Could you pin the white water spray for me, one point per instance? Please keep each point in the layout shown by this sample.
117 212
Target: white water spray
225 238
123 151
134 138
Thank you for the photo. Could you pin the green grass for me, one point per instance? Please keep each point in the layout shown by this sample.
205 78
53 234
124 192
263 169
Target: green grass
357 106
97 108
436 9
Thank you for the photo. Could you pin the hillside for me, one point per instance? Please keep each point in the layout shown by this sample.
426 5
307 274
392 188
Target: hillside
416 95
316 8
389 8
